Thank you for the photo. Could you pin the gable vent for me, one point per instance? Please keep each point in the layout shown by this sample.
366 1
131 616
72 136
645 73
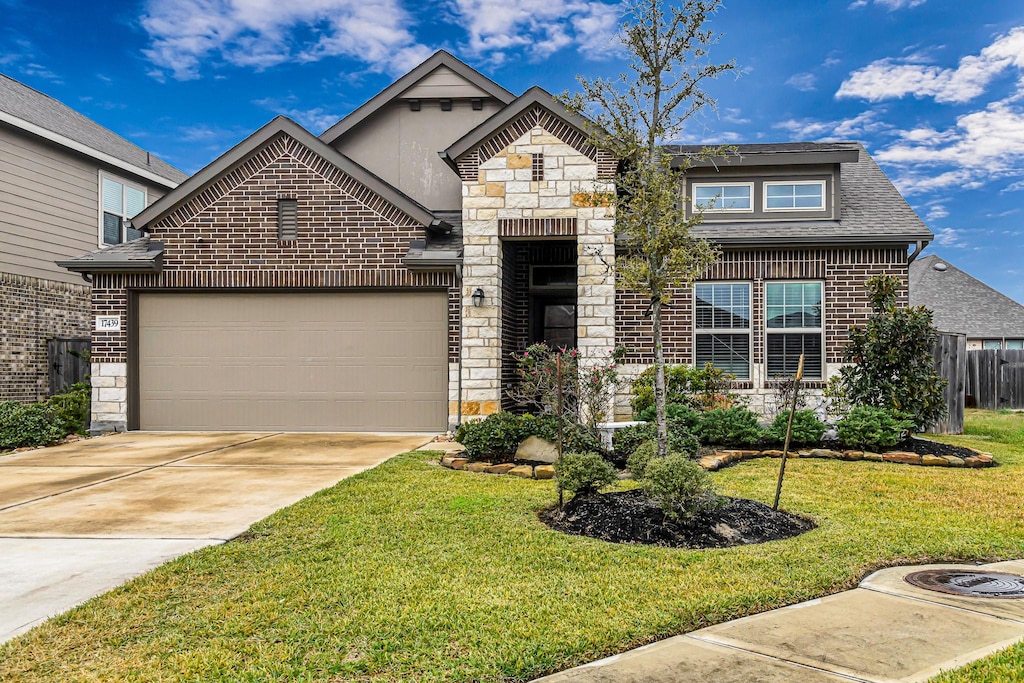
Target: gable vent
287 219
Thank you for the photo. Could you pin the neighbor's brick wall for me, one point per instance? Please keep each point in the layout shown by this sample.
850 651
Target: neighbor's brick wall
226 238
843 271
32 311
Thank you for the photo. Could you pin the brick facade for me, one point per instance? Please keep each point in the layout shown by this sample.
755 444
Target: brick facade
225 237
842 270
33 311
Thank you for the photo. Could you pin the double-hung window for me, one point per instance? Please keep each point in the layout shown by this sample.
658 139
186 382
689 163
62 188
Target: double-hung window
722 327
803 196
119 201
723 197
794 325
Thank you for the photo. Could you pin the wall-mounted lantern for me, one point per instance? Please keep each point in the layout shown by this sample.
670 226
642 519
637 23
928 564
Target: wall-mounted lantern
478 297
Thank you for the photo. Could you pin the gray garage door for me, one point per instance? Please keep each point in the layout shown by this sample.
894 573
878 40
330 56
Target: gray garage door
299 362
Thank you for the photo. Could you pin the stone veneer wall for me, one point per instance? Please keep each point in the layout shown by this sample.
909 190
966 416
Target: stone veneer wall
500 198
225 237
33 311
843 271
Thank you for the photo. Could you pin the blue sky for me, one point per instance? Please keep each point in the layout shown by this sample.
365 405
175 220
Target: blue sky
933 88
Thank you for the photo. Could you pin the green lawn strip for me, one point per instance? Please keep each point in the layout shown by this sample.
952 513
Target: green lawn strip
413 572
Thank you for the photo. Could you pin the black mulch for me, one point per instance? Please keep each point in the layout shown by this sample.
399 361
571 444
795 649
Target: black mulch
926 447
631 517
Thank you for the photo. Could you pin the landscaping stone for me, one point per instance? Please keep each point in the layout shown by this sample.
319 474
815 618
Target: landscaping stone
478 466
853 455
544 472
972 461
524 471
825 453
934 461
953 460
902 458
446 461
459 463
537 449
876 457
502 468
772 453
747 455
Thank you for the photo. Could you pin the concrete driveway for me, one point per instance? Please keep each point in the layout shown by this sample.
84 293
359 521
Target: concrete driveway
79 519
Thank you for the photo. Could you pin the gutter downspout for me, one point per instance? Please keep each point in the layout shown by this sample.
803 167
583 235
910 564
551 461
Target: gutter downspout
918 247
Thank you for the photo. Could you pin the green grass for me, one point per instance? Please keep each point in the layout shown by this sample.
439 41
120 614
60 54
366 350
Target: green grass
413 572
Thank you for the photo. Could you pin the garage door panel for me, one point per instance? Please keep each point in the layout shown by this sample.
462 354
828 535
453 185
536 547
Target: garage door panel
310 362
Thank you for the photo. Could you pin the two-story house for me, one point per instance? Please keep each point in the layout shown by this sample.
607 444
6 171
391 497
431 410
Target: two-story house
67 185
379 277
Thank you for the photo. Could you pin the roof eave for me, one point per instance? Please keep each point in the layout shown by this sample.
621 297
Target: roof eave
88 151
156 265
439 58
771 159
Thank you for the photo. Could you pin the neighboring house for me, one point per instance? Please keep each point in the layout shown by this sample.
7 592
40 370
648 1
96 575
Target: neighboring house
964 305
66 186
379 276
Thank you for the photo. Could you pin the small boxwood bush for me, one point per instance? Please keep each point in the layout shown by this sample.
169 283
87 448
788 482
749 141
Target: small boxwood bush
675 412
730 427
494 438
71 408
872 429
807 428
680 487
680 439
29 424
638 460
575 437
584 473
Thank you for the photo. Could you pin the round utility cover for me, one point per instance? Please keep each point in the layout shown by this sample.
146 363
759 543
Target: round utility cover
968 583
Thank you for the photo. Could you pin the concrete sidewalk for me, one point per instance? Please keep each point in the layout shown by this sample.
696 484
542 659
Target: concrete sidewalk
885 630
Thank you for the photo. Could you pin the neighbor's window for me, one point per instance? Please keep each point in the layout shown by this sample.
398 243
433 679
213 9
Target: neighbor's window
1014 344
723 197
119 201
722 327
992 344
809 196
793 325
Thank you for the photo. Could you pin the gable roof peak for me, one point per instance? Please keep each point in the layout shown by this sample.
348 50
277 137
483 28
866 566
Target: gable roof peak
404 83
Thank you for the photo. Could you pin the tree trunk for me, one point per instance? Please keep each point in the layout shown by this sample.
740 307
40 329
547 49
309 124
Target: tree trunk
659 379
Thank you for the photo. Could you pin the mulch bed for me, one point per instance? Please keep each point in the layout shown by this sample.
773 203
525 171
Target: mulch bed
631 517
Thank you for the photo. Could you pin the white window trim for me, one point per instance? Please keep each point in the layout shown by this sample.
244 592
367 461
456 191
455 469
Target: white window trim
795 330
726 330
695 207
770 183
99 200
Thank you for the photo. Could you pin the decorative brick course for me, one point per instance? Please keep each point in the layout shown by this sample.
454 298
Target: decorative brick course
33 311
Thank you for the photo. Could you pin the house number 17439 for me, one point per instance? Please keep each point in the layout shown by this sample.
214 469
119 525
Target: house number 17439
108 323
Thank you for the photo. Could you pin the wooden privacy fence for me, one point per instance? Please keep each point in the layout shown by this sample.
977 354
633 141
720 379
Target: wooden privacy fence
69 362
951 362
995 379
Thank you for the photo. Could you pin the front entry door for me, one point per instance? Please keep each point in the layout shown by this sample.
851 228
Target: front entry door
554 321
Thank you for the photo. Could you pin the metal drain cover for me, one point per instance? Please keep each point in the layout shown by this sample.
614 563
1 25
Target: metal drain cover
968 583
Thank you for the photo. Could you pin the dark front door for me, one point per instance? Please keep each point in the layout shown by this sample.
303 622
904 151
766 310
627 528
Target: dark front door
554 321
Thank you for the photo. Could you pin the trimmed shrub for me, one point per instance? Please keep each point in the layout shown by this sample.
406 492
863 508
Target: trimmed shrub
71 408
29 424
730 427
680 487
872 429
575 437
584 473
495 438
677 387
675 412
680 439
807 428
641 456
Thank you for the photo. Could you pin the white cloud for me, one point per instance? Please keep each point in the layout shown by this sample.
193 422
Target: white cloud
891 5
950 237
858 127
804 81
543 26
892 78
734 115
186 34
936 211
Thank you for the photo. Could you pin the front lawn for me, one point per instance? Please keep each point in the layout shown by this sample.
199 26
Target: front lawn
411 571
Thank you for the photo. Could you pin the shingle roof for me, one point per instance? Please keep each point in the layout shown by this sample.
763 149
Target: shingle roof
872 211
962 303
438 250
141 255
29 105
